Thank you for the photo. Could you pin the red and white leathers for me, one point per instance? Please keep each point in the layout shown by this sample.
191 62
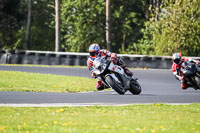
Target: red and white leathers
90 60
113 57
178 74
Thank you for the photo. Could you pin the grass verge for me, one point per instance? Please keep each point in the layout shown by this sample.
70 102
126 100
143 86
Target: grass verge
62 66
153 118
22 81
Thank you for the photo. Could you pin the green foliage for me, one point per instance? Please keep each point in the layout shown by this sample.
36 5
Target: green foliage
145 45
172 27
13 18
10 19
127 20
82 24
177 29
42 28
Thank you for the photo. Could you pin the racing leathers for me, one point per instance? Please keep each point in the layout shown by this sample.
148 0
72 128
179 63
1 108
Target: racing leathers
114 58
178 74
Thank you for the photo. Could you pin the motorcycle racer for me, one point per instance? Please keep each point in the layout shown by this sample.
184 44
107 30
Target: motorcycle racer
176 66
94 50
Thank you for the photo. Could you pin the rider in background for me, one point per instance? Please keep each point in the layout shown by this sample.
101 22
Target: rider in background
95 52
176 66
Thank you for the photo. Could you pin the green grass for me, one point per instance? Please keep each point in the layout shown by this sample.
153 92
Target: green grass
21 81
63 66
153 118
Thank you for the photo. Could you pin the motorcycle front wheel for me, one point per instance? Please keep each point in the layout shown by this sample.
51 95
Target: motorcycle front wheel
115 85
135 88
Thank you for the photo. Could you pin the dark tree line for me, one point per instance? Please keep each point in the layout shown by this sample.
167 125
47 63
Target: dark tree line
13 24
136 26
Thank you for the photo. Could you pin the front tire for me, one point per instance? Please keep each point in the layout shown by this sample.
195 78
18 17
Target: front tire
114 85
135 88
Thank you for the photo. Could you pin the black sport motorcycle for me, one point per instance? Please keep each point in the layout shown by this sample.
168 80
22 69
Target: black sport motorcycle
114 76
191 72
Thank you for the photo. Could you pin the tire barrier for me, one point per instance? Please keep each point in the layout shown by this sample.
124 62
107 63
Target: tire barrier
43 58
143 61
79 59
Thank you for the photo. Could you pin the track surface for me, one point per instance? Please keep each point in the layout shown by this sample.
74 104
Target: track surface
158 86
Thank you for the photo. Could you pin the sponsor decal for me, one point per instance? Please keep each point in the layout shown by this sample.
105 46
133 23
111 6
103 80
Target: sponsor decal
113 69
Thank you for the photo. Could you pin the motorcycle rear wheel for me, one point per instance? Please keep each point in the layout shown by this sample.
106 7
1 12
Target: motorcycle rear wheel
114 85
135 88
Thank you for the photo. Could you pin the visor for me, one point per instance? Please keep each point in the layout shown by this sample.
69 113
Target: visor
93 54
177 61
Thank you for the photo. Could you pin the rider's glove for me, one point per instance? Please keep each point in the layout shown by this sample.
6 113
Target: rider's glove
93 75
113 58
181 78
197 62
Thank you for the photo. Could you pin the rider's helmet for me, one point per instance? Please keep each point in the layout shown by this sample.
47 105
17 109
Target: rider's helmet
177 58
94 50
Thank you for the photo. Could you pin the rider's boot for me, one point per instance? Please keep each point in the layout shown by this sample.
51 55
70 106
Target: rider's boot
100 86
185 85
127 71
121 63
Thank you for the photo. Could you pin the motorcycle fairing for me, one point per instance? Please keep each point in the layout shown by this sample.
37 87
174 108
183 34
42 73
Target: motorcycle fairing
188 69
198 69
191 74
120 71
114 77
116 68
124 80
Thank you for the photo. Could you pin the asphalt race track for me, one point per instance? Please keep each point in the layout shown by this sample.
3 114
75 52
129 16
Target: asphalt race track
158 86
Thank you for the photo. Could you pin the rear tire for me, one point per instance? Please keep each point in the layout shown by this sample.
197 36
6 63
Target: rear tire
135 88
118 88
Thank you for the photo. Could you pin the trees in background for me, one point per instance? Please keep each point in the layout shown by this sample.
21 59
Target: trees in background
127 20
138 26
11 19
42 35
13 23
84 22
108 25
28 27
57 27
177 29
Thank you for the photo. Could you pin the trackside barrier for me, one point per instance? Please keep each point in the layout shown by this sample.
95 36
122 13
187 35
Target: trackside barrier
79 59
